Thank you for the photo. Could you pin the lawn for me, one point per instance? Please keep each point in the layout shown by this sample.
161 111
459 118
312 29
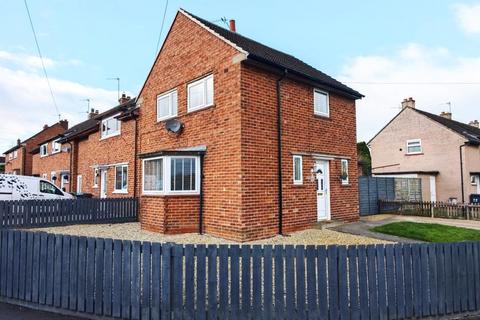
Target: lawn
429 232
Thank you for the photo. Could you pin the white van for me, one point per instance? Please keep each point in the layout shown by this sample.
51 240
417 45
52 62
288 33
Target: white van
13 187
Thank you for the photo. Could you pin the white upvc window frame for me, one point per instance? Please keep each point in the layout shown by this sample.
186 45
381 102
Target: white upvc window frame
79 184
419 141
96 175
172 96
300 180
317 112
44 152
10 156
115 133
15 154
344 162
205 104
166 181
45 176
55 143
473 179
123 190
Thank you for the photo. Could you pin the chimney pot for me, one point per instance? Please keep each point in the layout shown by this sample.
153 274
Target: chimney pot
446 115
19 142
123 99
232 25
45 126
474 123
408 103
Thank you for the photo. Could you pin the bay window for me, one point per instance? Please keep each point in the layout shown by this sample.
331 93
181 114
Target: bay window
171 175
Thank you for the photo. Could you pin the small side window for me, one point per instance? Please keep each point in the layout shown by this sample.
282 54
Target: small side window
344 171
321 103
44 150
297 170
414 146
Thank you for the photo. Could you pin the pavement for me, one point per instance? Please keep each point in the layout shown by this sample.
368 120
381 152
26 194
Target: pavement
363 226
13 312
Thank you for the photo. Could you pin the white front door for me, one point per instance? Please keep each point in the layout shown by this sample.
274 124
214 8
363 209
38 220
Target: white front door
433 189
103 183
323 192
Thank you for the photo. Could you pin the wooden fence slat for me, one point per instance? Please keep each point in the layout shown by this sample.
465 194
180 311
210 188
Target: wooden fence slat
201 292
177 281
449 279
390 274
234 282
90 277
73 281
278 253
126 279
156 281
268 281
476 268
462 268
381 281
322 282
333 278
311 282
16 263
289 282
82 275
108 277
136 284
189 252
343 300
42 269
22 264
65 271
424 280
432 279
57 279
146 279
257 281
166 298
372 280
35 267
457 288
212 281
353 282
440 261
470 276
300 281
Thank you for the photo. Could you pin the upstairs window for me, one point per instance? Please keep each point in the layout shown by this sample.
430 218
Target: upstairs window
110 127
56 147
321 103
167 105
121 178
200 93
10 156
414 146
344 171
44 150
297 170
15 154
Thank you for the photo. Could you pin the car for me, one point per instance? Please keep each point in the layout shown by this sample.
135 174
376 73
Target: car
16 187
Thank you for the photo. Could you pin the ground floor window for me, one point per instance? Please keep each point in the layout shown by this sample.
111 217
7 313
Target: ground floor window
121 178
297 170
171 175
344 171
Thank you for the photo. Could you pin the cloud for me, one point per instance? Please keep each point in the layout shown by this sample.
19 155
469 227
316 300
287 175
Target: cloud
432 76
29 62
26 102
468 17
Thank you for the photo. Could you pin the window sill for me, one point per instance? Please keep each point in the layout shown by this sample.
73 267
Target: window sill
110 136
120 191
161 195
346 184
414 154
322 116
190 111
160 120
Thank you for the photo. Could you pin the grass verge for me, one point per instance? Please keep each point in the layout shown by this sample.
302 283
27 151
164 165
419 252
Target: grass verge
429 232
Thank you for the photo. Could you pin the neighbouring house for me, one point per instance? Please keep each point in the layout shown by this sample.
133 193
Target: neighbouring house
240 140
2 164
51 161
19 159
102 152
442 152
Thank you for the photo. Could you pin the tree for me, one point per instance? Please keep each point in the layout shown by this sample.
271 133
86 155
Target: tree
364 158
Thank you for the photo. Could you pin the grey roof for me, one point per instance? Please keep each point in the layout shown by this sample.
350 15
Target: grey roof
265 54
93 124
471 133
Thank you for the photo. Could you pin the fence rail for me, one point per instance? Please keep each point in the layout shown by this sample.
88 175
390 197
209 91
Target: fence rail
44 213
431 209
133 280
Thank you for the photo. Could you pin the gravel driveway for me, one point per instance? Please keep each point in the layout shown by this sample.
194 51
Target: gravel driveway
132 231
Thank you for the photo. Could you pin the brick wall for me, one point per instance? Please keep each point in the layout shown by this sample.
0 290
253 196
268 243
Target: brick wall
192 52
53 162
93 151
16 164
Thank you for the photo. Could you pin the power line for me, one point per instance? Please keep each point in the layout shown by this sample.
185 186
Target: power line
41 60
161 27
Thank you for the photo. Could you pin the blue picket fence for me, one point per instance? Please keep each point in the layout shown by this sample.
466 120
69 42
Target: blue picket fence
98 277
48 213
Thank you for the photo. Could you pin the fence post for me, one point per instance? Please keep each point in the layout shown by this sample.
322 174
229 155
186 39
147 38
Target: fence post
468 211
432 212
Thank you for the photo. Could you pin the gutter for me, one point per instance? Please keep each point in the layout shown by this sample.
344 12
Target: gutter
279 155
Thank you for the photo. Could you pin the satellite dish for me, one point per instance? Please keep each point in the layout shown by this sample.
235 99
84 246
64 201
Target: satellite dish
174 125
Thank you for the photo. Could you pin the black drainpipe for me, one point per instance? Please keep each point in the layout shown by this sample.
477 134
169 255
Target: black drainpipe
70 172
200 206
135 159
461 171
279 156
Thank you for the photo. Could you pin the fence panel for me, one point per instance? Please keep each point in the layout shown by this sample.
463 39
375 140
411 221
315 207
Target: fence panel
46 213
133 280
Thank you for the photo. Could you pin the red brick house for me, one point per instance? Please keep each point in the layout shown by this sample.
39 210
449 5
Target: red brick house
19 159
102 156
51 161
261 143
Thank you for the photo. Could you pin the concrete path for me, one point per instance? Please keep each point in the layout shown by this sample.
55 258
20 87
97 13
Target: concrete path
13 312
362 227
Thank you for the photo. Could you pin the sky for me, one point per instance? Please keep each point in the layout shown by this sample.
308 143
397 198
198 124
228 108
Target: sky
387 50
